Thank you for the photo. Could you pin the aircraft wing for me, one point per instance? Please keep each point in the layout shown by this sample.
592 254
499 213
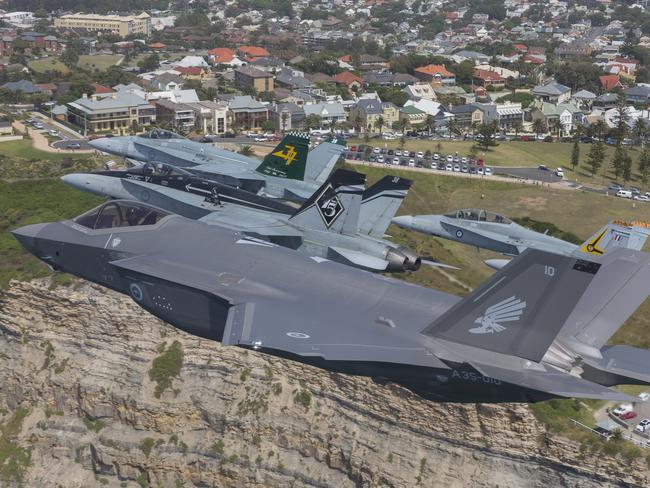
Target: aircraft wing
364 318
553 381
249 222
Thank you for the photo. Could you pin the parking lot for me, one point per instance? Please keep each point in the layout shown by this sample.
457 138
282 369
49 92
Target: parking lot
626 417
397 157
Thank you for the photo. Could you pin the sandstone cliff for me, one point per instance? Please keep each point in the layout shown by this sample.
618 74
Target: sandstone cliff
80 408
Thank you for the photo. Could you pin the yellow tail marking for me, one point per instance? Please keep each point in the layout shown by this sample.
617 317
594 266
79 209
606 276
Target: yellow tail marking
288 155
592 246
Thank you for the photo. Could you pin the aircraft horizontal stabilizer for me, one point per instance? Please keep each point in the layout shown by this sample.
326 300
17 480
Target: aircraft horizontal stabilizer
553 382
357 258
432 262
621 365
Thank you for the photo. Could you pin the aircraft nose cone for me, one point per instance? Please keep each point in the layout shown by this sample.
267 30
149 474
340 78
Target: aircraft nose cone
102 144
75 180
403 221
27 235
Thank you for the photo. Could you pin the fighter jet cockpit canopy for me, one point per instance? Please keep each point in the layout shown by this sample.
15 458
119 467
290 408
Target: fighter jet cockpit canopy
161 134
121 213
478 215
159 169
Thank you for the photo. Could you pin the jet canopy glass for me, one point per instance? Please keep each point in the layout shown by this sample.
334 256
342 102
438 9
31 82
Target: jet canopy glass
161 134
478 215
159 169
121 214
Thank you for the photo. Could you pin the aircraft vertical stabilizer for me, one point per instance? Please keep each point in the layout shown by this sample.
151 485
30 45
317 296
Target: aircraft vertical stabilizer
617 233
380 203
288 159
322 159
335 205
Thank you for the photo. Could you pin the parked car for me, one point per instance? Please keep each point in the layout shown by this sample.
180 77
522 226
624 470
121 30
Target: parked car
395 160
464 169
353 148
411 163
627 416
487 171
463 160
634 190
53 132
376 150
74 145
457 168
623 408
645 396
642 198
380 158
449 167
398 152
643 426
542 167
615 187
436 156
479 170
559 172
624 193
450 159
411 154
420 154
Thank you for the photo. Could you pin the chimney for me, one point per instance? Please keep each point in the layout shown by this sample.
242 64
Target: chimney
114 96
84 95
94 98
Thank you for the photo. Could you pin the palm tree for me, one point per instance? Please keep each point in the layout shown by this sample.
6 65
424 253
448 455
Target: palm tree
285 117
357 121
518 126
539 126
430 123
380 123
246 150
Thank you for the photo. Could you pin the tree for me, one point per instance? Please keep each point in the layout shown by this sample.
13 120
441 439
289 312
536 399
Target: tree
246 150
487 133
285 117
312 121
618 161
596 156
70 57
356 122
149 63
640 131
539 126
599 128
453 127
627 167
622 119
644 165
268 126
381 122
430 122
518 126
575 155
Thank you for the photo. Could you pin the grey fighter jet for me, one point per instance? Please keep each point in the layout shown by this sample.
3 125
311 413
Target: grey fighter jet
340 221
536 329
489 230
290 171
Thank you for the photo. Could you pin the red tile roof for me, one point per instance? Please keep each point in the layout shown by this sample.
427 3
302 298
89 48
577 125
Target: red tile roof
609 82
189 70
100 89
157 45
221 55
522 48
484 74
253 51
435 69
347 78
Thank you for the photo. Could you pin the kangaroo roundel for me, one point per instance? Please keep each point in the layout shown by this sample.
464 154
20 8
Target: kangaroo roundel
508 310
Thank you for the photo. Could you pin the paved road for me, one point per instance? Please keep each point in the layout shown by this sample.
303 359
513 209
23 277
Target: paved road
546 176
67 143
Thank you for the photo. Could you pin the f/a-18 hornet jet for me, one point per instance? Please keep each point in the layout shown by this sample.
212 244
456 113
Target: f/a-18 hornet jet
536 329
290 171
340 221
489 230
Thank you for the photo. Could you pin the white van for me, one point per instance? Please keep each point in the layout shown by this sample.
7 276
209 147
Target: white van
559 172
624 193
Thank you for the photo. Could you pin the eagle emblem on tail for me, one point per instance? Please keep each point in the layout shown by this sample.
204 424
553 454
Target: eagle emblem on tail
508 310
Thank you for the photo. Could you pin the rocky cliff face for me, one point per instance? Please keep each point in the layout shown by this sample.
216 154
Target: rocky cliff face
79 381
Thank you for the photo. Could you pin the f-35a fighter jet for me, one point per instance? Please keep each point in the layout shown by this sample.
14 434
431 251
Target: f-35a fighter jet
536 329
489 230
290 171
340 221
